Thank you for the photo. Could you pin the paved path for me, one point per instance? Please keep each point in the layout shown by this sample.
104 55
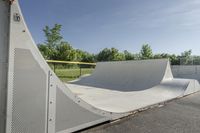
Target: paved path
180 116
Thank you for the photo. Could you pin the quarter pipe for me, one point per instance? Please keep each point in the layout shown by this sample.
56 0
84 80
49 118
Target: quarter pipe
34 100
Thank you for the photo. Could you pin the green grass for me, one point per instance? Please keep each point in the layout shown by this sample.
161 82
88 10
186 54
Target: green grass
71 74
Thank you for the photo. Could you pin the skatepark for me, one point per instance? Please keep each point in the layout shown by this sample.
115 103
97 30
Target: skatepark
34 100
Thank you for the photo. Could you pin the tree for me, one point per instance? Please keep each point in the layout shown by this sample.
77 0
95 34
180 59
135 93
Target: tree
116 55
112 54
186 53
175 60
44 50
186 58
55 48
87 57
196 60
53 39
128 55
104 55
53 36
65 52
146 52
157 56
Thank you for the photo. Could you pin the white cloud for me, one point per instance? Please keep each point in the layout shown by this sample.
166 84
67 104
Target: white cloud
185 14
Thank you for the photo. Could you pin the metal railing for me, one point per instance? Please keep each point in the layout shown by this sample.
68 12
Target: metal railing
82 67
192 60
70 62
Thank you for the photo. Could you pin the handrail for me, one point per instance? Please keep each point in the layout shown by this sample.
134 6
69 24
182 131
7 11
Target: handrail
70 62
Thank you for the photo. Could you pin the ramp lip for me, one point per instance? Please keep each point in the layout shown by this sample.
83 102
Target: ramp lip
143 60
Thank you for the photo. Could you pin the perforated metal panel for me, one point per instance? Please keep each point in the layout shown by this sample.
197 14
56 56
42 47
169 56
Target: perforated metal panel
29 94
70 116
3 92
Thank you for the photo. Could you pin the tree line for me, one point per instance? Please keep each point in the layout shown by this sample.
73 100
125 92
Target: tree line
56 48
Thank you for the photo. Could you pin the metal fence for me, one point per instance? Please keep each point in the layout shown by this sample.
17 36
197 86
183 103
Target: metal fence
193 60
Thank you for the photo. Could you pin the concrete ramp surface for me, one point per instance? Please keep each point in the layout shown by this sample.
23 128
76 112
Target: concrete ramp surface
34 100
130 85
128 75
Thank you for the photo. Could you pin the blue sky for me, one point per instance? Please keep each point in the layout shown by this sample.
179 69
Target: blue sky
169 26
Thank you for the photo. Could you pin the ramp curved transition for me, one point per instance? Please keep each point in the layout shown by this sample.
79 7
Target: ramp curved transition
38 102
129 85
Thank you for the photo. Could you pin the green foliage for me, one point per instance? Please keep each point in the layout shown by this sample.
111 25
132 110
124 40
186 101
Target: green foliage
175 60
128 55
187 53
112 54
146 52
157 56
87 57
104 55
196 60
53 36
55 48
65 52
186 58
44 50
53 39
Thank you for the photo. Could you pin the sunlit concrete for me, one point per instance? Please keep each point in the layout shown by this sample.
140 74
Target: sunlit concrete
130 85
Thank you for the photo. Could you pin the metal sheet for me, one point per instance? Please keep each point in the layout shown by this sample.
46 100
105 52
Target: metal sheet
29 94
4 37
65 110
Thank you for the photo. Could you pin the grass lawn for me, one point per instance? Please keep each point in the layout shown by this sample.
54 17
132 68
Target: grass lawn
70 74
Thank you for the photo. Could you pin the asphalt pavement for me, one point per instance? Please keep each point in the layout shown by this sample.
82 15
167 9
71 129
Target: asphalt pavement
178 116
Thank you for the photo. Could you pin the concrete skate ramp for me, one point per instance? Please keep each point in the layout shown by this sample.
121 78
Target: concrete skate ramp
34 100
130 85
128 75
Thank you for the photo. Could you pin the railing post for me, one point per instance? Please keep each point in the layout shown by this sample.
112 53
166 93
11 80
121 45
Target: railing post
54 67
80 70
196 69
